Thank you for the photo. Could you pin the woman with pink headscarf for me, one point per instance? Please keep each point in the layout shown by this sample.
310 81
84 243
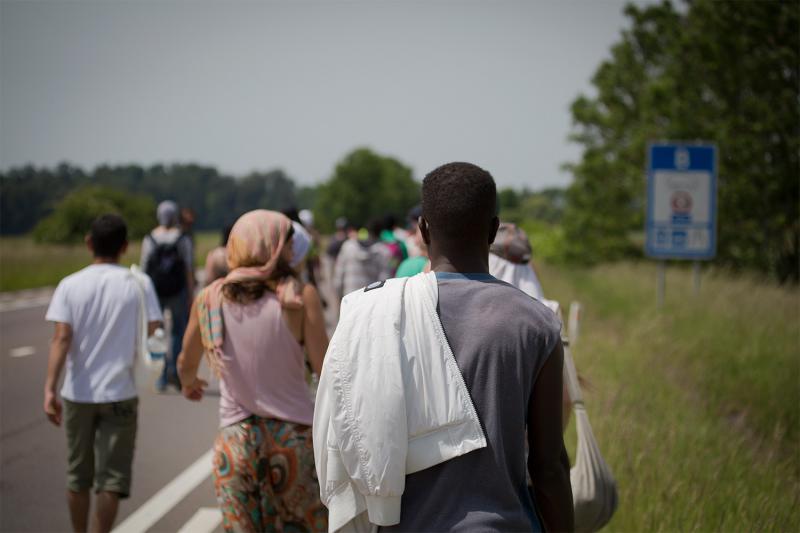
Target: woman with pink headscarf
253 325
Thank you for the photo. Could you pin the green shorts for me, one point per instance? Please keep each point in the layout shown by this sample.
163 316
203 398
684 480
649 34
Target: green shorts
100 442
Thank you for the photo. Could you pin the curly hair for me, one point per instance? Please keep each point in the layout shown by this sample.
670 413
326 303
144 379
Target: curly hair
245 292
459 201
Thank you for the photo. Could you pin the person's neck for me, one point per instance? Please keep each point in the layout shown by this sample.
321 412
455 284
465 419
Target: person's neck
105 261
471 263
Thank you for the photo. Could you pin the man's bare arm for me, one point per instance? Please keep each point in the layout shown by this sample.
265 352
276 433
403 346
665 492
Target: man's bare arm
59 347
190 358
548 462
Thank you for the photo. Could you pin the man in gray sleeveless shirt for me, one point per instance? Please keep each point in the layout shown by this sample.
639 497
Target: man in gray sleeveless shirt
508 348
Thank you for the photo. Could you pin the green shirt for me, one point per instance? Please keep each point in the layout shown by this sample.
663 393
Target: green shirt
411 266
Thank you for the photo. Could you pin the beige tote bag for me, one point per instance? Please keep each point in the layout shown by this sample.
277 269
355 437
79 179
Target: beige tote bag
594 491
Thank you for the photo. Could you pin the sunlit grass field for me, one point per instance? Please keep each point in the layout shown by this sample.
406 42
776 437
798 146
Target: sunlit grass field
25 264
695 406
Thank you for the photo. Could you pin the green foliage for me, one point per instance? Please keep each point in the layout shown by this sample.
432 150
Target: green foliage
547 240
73 216
725 72
695 407
27 195
509 198
540 215
546 205
307 197
366 185
216 199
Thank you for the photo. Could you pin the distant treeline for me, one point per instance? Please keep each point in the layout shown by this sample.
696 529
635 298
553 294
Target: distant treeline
29 194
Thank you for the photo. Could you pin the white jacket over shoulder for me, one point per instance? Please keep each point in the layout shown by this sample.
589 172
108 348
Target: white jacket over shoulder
391 401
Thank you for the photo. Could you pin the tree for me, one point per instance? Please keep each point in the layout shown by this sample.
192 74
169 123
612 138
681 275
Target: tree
28 194
307 197
366 185
271 190
725 72
72 217
508 198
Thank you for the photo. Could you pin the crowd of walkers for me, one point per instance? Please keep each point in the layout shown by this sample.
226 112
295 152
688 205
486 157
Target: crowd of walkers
439 397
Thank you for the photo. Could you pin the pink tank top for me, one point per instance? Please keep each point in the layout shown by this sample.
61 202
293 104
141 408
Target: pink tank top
264 366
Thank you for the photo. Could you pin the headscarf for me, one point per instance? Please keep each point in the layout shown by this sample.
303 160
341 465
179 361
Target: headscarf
301 244
512 244
167 213
306 217
254 249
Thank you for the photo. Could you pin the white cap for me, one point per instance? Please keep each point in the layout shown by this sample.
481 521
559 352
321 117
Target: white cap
306 217
301 243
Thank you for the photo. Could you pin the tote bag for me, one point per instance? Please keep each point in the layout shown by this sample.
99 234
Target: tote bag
594 490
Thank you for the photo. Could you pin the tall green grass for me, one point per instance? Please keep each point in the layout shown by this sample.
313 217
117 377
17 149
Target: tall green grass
24 264
696 405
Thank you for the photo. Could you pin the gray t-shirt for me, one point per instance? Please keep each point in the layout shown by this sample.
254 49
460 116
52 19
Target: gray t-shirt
500 338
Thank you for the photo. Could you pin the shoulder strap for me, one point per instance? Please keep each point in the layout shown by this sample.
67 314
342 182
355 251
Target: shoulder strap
571 376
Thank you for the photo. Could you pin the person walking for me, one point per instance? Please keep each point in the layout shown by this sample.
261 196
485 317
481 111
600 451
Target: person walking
253 325
418 262
431 382
217 261
168 258
510 260
95 312
361 262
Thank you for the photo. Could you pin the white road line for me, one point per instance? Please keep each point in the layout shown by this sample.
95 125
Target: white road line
24 304
22 351
205 520
165 499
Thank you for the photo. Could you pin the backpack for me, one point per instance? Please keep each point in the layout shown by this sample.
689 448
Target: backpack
396 253
166 267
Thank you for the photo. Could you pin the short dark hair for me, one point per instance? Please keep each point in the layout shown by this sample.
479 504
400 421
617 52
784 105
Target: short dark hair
109 234
375 227
459 201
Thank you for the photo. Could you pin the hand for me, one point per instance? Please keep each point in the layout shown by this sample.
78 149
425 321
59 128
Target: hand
194 391
52 407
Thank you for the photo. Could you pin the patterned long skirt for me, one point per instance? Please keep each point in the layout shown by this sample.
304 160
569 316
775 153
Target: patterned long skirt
265 479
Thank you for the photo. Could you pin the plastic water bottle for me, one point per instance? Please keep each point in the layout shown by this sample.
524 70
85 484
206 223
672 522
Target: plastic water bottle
312 387
157 345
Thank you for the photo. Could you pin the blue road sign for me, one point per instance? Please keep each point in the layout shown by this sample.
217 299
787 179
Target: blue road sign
681 201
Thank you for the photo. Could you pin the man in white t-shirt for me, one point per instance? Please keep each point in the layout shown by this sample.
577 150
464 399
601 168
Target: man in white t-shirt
96 315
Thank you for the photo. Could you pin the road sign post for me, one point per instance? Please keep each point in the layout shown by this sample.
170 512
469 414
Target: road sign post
681 220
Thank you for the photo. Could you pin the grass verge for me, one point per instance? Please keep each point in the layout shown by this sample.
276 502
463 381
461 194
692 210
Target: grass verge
25 264
695 406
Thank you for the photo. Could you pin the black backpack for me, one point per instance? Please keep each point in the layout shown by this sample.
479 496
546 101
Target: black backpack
166 267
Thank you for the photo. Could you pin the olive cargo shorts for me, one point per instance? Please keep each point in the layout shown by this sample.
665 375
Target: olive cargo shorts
100 442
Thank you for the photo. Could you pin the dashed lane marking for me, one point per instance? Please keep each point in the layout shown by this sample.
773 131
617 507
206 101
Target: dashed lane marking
205 520
22 351
165 499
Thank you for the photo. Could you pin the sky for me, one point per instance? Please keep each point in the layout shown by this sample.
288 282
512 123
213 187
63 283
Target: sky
296 85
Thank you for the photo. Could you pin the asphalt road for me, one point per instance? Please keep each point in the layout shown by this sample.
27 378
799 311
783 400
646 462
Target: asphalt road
172 487
173 433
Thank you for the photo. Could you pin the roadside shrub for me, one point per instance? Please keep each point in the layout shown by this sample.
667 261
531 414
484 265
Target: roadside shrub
547 241
73 215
